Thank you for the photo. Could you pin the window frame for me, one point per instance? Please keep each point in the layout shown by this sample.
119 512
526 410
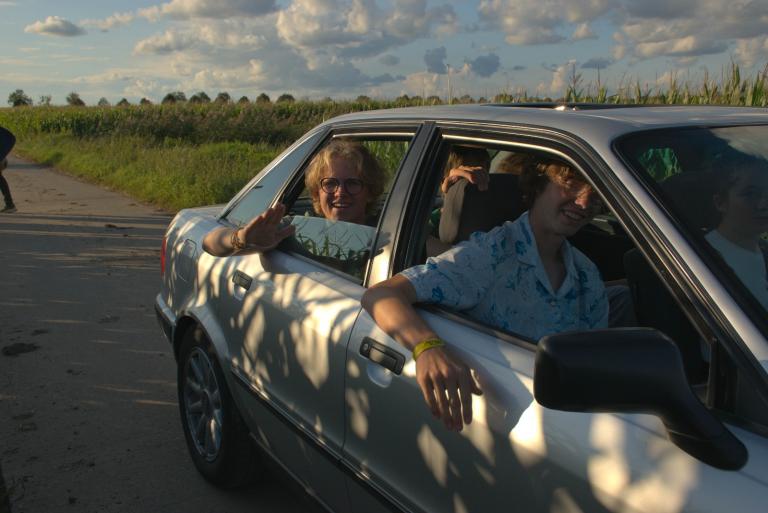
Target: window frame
407 131
318 133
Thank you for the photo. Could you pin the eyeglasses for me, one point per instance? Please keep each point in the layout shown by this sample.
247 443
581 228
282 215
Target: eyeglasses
351 186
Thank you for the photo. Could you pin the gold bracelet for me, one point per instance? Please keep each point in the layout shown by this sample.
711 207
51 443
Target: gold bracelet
234 240
427 344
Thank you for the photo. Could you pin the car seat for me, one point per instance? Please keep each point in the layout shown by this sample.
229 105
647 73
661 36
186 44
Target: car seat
466 210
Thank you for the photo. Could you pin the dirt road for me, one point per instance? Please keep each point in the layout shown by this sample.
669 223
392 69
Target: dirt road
88 414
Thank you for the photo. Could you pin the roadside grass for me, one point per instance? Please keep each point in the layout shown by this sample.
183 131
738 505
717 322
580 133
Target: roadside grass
172 175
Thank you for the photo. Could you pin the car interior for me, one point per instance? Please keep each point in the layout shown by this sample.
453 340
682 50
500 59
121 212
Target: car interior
465 209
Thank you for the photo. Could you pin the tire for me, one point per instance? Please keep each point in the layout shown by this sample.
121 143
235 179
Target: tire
217 438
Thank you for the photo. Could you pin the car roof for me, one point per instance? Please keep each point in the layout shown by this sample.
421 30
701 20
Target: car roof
588 121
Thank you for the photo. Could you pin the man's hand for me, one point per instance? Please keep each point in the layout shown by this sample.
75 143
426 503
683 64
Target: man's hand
477 175
447 385
263 232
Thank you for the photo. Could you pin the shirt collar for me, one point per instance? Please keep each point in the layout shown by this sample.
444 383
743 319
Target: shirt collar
528 253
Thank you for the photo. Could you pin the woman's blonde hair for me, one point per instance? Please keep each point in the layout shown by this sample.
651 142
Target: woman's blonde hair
368 169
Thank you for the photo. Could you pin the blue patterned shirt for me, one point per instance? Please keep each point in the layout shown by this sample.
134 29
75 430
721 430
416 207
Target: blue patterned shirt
498 278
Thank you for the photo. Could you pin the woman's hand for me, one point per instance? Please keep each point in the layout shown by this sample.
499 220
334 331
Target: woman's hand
477 175
263 232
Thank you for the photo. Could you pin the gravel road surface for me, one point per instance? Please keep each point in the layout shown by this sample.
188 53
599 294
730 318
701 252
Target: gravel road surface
88 413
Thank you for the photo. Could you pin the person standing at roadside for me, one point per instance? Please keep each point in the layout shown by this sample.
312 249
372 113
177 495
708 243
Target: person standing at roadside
7 140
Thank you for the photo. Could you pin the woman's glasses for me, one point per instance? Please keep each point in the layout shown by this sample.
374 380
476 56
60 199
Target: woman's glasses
351 186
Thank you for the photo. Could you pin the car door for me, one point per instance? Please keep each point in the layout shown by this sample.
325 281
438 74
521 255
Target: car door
287 317
516 455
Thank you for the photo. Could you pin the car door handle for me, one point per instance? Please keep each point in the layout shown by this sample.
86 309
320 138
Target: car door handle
383 355
242 280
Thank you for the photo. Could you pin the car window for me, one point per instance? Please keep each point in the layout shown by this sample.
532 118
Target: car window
716 181
634 294
339 196
263 192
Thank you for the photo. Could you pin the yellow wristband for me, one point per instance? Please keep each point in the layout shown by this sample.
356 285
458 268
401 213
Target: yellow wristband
427 344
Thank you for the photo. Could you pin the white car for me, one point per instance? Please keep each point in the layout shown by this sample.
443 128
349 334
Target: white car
668 413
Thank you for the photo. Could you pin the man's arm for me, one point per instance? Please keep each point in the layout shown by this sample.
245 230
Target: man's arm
260 235
445 381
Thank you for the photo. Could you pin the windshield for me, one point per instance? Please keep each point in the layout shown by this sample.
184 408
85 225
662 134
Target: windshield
716 181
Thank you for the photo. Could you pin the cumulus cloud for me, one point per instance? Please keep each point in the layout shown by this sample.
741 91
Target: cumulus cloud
526 22
685 29
360 28
485 65
116 20
597 63
55 26
583 31
389 60
560 76
168 42
752 51
221 9
435 60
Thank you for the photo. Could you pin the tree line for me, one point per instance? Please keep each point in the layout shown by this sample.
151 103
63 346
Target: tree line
19 98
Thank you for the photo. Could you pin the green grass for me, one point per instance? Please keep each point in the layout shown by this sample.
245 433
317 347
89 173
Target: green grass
170 175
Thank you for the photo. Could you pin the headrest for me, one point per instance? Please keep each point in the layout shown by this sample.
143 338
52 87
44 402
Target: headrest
691 195
467 210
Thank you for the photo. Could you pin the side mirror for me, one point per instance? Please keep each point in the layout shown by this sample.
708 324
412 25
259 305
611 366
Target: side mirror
632 370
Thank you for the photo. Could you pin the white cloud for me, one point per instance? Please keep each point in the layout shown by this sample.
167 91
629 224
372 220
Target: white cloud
560 77
528 22
583 31
54 26
221 9
116 20
367 30
168 42
752 51
687 29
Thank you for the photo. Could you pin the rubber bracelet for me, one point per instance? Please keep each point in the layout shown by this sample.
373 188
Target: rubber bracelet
235 241
426 344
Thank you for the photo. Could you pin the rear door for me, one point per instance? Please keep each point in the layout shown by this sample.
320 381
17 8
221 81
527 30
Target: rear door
516 455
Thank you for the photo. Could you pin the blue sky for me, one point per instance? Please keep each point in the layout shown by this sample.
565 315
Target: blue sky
380 48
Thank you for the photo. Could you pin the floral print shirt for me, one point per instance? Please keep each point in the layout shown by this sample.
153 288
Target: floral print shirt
498 278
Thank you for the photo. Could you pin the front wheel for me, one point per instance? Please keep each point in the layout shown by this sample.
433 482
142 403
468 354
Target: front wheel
216 435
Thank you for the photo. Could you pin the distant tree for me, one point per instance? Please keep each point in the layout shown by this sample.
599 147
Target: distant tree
285 97
434 100
243 100
200 97
74 100
466 99
125 103
223 97
19 99
174 97
263 98
45 100
103 102
145 101
327 99
503 98
482 99
403 99
363 99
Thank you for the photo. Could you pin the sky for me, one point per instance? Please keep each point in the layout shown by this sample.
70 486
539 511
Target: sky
380 48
